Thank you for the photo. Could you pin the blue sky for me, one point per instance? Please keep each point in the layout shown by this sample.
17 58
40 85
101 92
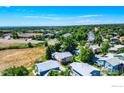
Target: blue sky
60 15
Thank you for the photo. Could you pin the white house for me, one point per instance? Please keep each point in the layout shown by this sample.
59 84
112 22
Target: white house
44 67
63 57
84 69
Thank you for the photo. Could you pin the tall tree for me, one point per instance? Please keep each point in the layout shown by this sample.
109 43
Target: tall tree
50 49
104 47
86 54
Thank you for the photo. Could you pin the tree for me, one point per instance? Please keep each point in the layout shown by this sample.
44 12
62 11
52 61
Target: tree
30 45
98 39
54 73
121 50
104 47
38 37
66 72
57 47
69 44
16 71
50 49
1 33
14 35
86 54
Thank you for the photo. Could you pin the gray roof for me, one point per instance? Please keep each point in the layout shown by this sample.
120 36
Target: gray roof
83 68
48 65
94 46
52 41
61 55
67 34
115 61
116 47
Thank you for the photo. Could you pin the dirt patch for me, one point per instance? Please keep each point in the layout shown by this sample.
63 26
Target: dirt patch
18 57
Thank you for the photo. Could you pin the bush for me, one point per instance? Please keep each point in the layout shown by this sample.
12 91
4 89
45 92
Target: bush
15 71
21 46
30 45
120 50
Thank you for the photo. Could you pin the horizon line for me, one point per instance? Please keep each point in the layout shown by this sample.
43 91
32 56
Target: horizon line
60 25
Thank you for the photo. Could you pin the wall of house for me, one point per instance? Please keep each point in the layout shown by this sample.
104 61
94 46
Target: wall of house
95 73
42 73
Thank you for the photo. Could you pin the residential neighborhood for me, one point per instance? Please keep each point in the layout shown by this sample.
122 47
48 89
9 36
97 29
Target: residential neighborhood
61 41
83 51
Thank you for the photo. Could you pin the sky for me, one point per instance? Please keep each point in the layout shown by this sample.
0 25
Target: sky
60 15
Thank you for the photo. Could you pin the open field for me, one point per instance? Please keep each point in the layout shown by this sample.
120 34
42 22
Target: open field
18 57
12 42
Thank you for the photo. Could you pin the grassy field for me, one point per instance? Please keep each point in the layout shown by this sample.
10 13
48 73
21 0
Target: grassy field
13 42
18 57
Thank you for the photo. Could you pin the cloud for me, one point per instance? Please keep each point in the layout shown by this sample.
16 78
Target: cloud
87 16
50 17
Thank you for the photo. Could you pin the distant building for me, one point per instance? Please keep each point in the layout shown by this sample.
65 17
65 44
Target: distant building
91 36
96 29
48 35
7 36
44 67
67 35
114 40
63 57
52 41
25 36
116 48
95 48
84 69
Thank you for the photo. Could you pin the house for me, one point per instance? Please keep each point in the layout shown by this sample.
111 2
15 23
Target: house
110 62
7 36
67 35
91 36
52 41
25 36
48 35
116 48
114 40
84 69
96 29
44 67
63 57
95 48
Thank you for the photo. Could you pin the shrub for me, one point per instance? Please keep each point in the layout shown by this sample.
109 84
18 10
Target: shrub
15 71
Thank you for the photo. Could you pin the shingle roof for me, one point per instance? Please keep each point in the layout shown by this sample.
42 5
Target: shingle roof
52 41
94 46
83 68
62 55
116 47
50 64
115 61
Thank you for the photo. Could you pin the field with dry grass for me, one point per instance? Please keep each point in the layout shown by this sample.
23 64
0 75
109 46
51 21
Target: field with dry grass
14 42
18 57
